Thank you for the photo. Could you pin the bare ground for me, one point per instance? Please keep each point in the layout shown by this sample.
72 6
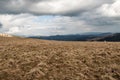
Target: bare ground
32 59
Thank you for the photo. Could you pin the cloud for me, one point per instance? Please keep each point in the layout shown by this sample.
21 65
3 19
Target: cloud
27 24
2 29
96 19
53 17
0 25
110 10
48 7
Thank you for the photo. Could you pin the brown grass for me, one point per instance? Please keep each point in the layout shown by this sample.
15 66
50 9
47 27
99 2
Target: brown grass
32 59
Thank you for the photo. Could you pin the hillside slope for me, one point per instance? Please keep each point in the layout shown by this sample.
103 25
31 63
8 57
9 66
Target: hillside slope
5 35
33 59
112 37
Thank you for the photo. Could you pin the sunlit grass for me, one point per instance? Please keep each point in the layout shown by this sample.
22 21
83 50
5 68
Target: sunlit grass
33 59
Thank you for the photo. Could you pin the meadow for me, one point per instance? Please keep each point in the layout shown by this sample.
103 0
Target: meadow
35 59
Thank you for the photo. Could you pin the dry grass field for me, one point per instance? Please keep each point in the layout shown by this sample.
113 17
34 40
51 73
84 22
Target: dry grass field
33 59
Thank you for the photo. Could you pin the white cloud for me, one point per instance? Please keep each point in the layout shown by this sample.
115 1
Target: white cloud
61 6
110 10
14 30
26 24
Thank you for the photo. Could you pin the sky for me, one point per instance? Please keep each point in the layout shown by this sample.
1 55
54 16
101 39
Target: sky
58 17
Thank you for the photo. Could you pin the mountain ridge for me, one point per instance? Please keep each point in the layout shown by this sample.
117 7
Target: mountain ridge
73 37
112 37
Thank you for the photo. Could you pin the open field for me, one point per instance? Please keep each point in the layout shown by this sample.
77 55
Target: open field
33 59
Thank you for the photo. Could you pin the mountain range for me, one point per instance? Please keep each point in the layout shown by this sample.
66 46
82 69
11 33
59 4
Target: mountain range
91 36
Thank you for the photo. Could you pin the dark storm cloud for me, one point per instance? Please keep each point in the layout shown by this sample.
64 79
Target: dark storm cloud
104 22
100 20
48 7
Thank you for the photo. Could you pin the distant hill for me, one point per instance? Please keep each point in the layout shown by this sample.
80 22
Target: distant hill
75 37
112 37
5 35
